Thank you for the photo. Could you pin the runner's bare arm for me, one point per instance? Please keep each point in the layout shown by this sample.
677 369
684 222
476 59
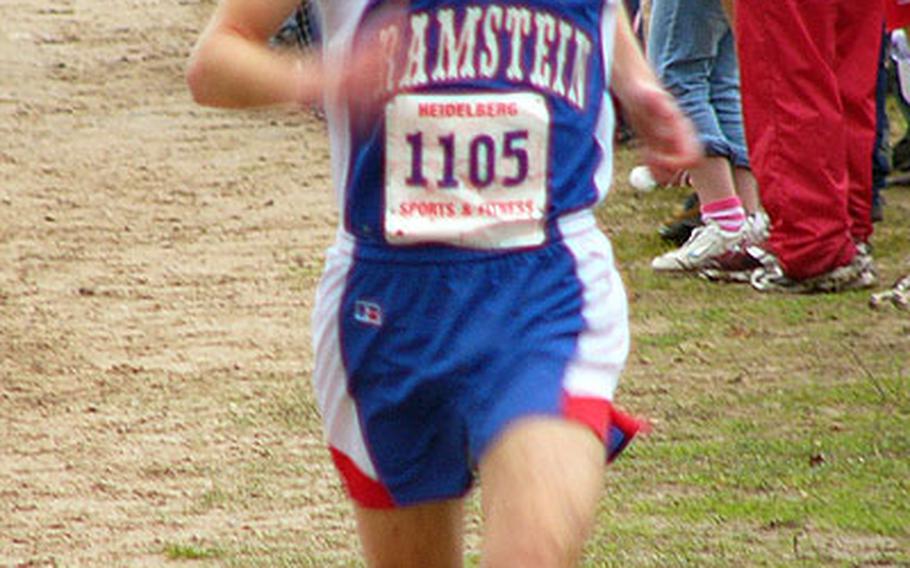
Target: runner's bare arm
670 142
233 66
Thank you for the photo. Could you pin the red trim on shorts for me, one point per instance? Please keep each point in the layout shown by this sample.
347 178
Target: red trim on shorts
590 411
613 426
630 425
367 492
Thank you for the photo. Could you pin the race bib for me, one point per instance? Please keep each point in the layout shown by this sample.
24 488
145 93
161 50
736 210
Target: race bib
468 170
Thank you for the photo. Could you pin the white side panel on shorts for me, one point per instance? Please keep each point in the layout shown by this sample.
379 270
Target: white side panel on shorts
339 413
604 345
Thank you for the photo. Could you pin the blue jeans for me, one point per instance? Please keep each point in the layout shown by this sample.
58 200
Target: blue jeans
691 46
881 165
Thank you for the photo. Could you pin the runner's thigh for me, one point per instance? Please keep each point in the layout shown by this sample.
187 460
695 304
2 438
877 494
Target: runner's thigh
420 536
541 482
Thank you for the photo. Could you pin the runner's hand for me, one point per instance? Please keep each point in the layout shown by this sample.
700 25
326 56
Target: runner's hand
365 76
670 141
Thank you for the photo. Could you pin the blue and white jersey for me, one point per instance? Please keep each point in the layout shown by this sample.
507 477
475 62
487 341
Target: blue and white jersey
495 124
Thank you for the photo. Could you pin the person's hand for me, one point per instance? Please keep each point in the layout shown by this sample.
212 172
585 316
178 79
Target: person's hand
670 143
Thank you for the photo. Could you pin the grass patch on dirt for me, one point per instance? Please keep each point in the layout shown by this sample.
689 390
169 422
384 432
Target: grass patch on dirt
190 551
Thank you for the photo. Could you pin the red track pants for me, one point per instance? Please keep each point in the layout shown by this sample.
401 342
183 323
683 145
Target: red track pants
808 70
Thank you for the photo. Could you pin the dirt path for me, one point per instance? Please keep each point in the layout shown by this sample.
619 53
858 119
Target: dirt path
156 261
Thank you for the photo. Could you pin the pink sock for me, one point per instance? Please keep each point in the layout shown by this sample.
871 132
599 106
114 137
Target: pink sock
728 213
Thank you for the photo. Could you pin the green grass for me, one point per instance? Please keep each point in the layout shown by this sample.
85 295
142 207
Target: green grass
741 480
182 551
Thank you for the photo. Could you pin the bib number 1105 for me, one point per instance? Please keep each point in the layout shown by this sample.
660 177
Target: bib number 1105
504 161
468 169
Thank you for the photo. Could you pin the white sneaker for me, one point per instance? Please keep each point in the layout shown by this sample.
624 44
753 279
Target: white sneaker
857 275
757 228
898 294
705 243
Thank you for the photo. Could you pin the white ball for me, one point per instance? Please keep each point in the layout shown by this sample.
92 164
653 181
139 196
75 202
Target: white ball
641 179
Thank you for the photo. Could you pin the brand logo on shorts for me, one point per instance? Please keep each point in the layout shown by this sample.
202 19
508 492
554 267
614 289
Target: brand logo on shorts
368 312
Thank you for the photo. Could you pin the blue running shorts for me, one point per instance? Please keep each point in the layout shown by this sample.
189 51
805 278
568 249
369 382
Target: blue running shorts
421 364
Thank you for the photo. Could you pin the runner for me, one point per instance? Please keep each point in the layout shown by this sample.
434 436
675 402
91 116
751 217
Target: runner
470 318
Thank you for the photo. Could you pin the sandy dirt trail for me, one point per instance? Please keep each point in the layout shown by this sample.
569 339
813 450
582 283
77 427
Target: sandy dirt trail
156 269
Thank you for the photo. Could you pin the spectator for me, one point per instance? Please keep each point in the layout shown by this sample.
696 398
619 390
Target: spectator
808 85
881 164
899 50
691 46
897 20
